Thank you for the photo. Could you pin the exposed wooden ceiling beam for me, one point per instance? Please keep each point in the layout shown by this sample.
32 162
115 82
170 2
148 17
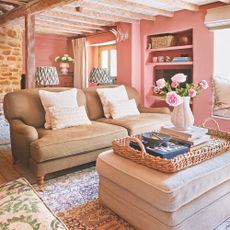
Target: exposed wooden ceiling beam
181 4
35 6
111 10
58 25
135 7
225 1
62 30
68 22
77 18
104 16
13 2
47 31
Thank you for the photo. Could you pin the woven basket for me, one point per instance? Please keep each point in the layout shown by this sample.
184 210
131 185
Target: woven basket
217 146
163 41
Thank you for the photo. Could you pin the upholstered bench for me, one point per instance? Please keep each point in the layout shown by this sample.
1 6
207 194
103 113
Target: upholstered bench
21 208
195 198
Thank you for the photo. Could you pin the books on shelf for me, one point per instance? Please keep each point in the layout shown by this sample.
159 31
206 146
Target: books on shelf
190 135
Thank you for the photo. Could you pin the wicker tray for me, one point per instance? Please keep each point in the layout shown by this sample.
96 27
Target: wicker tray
219 143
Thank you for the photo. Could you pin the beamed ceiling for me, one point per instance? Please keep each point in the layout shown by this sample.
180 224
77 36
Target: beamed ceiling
84 17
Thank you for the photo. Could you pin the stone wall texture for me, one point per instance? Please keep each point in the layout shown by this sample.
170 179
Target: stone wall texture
10 60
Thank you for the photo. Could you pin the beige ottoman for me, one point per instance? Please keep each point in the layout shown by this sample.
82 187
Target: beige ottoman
194 198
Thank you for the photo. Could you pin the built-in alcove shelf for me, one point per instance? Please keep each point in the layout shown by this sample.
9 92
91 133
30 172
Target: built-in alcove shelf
170 63
167 54
170 48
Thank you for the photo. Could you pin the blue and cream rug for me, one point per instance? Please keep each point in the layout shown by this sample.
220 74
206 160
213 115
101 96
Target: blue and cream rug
73 197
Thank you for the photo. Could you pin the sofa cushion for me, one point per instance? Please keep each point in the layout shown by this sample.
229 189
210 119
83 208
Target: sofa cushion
65 98
120 109
65 117
140 123
165 191
109 95
94 106
54 144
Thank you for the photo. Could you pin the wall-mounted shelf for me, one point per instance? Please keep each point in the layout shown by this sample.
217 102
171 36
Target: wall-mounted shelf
170 63
171 48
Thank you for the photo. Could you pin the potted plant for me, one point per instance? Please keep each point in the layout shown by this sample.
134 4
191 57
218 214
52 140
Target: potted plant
178 94
64 63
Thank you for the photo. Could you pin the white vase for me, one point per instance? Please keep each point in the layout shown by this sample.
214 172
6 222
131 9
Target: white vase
64 67
182 116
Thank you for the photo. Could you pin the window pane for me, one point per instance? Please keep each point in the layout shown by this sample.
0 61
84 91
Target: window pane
104 59
113 63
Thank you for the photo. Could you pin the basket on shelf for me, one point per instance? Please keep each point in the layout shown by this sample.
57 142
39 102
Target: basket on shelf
163 41
219 143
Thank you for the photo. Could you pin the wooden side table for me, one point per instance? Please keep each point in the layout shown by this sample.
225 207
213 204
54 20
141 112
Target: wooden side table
66 80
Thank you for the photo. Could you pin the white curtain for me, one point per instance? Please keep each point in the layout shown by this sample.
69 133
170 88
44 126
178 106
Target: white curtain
80 63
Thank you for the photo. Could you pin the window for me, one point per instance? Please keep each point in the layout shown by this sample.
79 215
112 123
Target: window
221 75
108 59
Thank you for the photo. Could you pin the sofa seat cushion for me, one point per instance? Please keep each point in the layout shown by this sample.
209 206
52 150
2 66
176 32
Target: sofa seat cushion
140 123
54 144
165 191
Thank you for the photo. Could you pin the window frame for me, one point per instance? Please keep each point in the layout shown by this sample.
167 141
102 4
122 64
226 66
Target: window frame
108 48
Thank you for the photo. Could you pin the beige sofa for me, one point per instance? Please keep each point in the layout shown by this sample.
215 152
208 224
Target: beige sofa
47 151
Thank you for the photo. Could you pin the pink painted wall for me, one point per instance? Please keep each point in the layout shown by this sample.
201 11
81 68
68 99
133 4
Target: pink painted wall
124 56
47 47
202 54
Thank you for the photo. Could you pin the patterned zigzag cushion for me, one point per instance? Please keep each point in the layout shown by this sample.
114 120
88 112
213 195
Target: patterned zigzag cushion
21 208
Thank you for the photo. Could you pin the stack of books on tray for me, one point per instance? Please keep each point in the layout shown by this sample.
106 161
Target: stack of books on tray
194 138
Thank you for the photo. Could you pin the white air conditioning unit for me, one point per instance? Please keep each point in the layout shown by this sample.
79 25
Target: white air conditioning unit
218 18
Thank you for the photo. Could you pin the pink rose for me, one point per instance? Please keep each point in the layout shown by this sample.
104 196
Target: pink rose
173 99
180 77
175 84
160 83
203 84
192 92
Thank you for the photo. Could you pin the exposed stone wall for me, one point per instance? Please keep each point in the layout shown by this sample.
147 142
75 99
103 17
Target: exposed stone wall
10 60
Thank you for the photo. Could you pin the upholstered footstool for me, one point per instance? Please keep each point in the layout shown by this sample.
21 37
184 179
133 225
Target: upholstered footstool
195 198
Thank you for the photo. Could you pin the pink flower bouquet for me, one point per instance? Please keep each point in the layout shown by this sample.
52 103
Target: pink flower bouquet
174 91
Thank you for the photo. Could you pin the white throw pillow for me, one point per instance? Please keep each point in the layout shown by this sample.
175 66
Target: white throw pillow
64 117
222 92
67 98
108 95
119 109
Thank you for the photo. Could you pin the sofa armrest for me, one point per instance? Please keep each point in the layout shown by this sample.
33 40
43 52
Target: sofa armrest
21 136
19 127
154 110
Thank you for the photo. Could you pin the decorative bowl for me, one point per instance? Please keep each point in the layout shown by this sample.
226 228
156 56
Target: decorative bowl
154 139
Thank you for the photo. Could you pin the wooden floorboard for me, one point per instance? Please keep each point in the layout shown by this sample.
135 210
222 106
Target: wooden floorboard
10 171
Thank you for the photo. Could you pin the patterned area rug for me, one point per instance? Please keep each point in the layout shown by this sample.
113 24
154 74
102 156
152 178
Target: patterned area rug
4 131
93 215
73 197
